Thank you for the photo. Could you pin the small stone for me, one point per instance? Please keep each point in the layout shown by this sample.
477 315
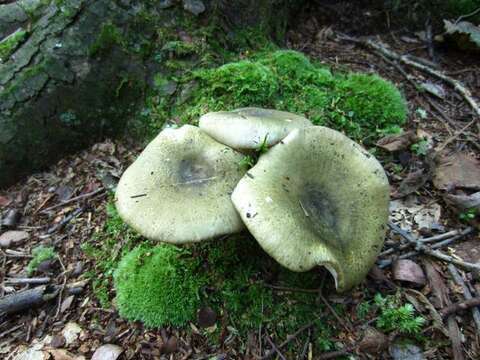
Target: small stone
58 341
406 352
107 352
70 332
12 238
196 7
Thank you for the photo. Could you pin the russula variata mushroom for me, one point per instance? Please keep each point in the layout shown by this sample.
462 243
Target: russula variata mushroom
249 128
178 190
317 198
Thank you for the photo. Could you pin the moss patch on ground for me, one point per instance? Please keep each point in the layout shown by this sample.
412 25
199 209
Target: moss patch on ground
40 254
163 285
364 106
156 285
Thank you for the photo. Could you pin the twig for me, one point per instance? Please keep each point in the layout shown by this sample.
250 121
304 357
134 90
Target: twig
74 199
289 338
467 304
466 293
460 18
384 263
9 331
334 313
305 346
65 221
455 234
434 253
30 281
62 288
458 86
455 136
275 349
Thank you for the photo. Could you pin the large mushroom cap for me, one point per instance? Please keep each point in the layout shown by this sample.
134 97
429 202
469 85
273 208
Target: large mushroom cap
178 190
317 198
248 128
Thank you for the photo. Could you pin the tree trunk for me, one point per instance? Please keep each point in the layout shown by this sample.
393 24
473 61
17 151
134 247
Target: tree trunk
73 71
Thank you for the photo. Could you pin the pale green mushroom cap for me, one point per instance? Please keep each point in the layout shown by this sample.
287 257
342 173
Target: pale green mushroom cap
178 190
248 128
317 198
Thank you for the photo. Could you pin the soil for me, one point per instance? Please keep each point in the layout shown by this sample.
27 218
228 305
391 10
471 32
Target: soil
52 215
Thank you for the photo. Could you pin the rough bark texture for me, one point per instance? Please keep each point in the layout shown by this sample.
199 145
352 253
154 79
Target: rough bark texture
70 78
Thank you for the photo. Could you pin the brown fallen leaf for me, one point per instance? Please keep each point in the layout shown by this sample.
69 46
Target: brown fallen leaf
399 142
457 171
13 238
409 271
4 201
107 352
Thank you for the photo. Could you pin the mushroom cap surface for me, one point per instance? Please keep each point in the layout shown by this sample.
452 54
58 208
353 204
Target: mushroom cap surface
317 198
247 128
178 189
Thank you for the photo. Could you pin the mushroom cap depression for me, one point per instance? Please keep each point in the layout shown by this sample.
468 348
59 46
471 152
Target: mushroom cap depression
317 198
178 190
248 128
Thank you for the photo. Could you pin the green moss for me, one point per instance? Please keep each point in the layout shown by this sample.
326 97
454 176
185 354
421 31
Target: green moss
106 248
109 36
40 254
10 43
370 103
157 286
163 284
361 105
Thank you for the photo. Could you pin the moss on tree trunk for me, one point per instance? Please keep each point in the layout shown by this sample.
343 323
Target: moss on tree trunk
74 71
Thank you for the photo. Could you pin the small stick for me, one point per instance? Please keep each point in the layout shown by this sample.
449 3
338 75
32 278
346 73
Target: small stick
334 313
275 349
434 253
30 281
74 199
16 254
459 87
466 292
65 221
270 353
454 233
463 305
9 331
385 263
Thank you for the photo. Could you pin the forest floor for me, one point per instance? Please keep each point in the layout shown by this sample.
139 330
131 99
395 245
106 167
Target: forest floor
433 169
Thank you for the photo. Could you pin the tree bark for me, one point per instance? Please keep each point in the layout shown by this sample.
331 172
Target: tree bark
74 70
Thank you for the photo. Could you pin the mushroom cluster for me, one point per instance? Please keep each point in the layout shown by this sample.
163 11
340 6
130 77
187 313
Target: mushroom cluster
315 198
